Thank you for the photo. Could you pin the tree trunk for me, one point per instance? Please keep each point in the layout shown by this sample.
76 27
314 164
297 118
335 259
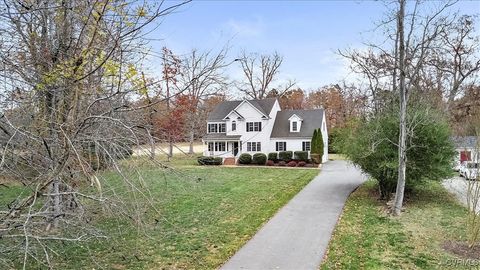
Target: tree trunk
402 151
56 202
190 148
152 147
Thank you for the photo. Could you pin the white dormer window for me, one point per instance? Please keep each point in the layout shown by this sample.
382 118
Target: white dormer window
295 123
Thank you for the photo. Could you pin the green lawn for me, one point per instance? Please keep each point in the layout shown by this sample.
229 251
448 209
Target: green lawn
367 238
204 215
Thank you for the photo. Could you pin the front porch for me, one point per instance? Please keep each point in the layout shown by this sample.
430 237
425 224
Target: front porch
222 148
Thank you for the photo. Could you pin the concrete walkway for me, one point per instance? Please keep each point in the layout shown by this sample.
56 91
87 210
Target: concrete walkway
298 235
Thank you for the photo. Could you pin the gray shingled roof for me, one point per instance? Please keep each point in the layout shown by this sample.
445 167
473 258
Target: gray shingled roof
312 119
466 141
225 107
220 136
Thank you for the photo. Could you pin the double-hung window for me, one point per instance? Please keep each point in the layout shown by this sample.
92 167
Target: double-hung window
220 147
216 128
254 147
212 128
210 147
306 146
281 146
294 126
221 127
254 126
234 125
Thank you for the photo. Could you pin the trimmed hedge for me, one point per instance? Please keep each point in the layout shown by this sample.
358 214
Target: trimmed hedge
301 155
301 164
273 156
245 158
292 164
209 160
285 155
259 159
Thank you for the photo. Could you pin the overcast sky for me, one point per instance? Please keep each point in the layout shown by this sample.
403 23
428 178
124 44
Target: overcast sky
306 33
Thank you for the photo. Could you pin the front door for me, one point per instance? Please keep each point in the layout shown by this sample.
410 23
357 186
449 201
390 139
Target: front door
235 149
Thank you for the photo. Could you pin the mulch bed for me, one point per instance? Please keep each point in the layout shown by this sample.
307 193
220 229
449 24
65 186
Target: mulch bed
462 250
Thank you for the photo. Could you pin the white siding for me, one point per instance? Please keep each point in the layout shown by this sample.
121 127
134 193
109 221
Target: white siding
325 139
293 144
251 114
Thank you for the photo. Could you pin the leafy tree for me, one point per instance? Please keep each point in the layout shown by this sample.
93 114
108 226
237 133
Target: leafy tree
372 145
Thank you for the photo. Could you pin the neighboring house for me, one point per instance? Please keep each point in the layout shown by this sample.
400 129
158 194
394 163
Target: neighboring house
468 149
260 126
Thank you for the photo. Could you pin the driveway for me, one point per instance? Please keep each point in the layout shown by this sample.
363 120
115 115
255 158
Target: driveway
459 186
298 235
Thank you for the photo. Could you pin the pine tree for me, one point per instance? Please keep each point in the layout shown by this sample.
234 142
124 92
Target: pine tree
313 145
319 143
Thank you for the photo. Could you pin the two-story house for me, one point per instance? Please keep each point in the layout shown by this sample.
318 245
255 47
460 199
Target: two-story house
261 126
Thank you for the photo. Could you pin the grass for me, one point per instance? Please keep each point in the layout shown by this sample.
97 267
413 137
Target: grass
205 214
367 238
336 157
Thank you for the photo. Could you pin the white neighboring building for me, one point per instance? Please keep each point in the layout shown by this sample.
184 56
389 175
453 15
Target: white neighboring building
260 126
468 149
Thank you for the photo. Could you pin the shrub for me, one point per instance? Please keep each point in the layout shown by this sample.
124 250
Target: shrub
285 155
259 158
292 164
430 149
270 163
333 135
316 158
301 155
301 164
282 163
273 156
209 160
245 158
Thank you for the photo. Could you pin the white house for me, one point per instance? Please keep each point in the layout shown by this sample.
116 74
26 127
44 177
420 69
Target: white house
261 126
468 149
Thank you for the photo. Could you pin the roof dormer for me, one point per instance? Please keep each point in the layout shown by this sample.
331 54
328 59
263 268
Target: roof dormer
295 123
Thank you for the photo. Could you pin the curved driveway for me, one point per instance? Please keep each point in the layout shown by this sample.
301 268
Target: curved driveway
298 235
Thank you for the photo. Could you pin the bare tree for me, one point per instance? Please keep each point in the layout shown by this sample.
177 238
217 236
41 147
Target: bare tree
402 140
398 64
456 58
260 72
203 73
414 46
171 70
71 74
377 70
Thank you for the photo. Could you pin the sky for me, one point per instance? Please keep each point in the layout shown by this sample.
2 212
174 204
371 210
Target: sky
308 34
